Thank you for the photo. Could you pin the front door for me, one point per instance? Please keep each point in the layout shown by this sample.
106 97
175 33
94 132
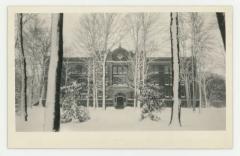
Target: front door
120 102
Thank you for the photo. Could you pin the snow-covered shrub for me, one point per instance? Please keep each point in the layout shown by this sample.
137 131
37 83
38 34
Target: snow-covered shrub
66 116
82 114
152 102
70 108
216 90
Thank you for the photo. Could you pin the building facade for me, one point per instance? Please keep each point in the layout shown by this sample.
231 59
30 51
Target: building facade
119 78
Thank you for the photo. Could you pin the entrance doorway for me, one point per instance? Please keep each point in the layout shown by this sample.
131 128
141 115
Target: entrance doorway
120 101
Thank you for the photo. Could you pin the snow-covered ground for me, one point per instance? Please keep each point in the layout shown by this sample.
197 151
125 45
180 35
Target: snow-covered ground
129 119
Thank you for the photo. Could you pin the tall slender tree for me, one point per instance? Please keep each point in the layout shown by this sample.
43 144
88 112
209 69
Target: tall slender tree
112 33
88 38
52 111
89 73
204 44
134 26
184 63
37 44
98 34
24 68
175 113
142 29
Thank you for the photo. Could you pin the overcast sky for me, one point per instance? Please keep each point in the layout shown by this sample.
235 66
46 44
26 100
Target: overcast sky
71 24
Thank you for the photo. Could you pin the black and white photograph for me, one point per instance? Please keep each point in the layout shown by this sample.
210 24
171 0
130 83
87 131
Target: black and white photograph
121 71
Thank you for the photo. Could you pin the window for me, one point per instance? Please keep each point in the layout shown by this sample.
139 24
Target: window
182 90
167 81
161 80
155 69
168 92
120 70
124 69
166 70
115 70
161 69
119 74
77 69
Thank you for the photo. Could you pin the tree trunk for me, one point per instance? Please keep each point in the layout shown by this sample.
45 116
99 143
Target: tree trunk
42 85
52 111
24 73
32 93
95 89
200 94
205 93
190 93
88 83
193 63
187 92
138 84
103 84
96 95
137 74
144 62
94 85
193 83
66 75
41 90
135 82
175 115
143 70
221 25
42 95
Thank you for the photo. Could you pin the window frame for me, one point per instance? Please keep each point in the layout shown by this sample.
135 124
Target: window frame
121 73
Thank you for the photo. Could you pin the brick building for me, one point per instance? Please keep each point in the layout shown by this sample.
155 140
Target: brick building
120 78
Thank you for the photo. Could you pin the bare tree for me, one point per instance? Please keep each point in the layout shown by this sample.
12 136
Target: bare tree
89 75
143 28
98 34
175 114
194 25
108 20
25 40
134 21
204 44
89 38
52 112
37 45
184 61
150 28
95 88
112 33
24 72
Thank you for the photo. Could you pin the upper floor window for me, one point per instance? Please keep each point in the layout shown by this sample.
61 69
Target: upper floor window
77 69
119 74
155 69
166 69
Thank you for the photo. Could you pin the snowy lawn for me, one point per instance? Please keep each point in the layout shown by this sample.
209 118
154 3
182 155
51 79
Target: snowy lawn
129 119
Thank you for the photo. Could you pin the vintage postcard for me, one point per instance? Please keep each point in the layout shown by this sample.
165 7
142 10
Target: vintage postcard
120 77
